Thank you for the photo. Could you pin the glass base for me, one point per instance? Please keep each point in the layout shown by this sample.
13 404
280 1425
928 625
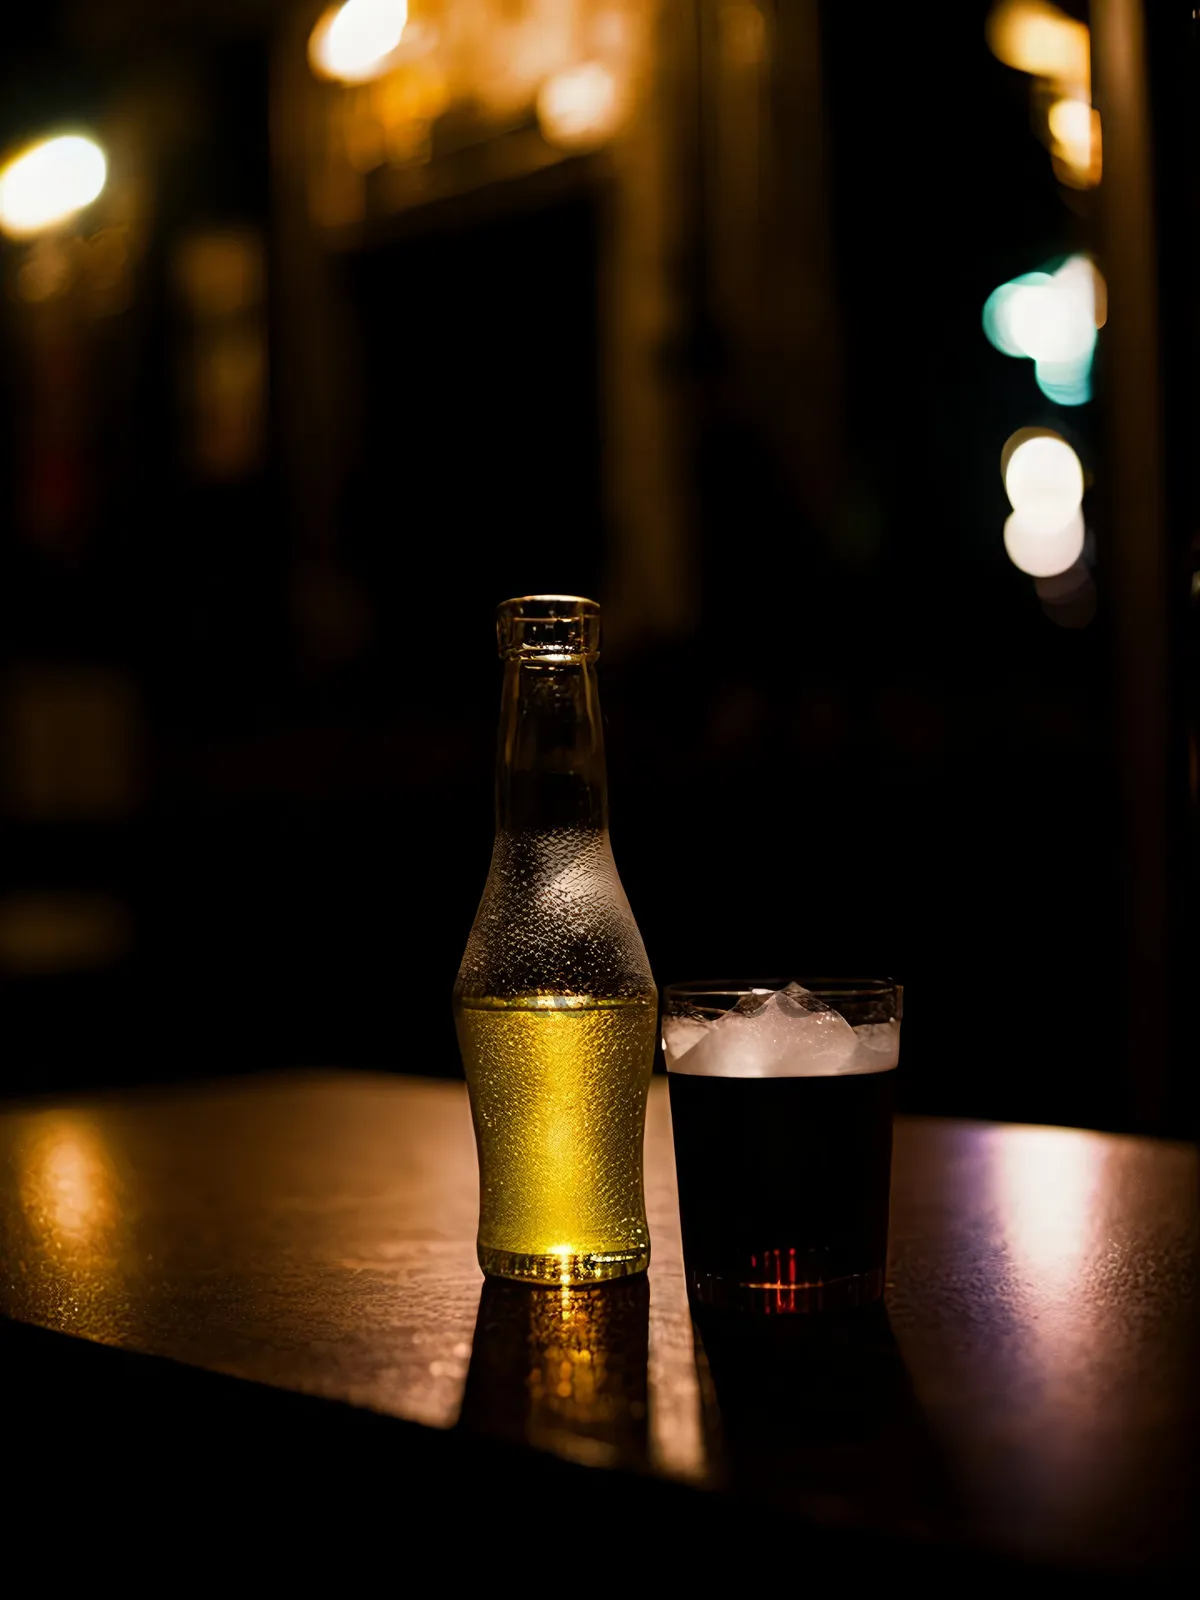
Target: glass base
785 1299
592 1267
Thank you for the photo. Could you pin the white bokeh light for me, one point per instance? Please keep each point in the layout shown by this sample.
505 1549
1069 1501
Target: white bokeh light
1053 323
352 42
1044 480
580 106
1040 551
1047 317
49 182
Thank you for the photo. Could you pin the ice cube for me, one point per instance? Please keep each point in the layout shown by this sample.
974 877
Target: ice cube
786 1034
794 990
751 1004
878 1048
681 1032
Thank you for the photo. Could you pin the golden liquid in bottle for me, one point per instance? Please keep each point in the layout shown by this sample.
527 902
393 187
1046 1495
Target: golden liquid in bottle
558 1089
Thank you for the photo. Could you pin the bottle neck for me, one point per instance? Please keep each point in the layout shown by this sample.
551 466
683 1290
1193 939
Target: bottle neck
550 764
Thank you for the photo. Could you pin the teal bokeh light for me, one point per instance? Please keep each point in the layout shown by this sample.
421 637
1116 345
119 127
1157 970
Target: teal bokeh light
1041 328
996 310
1067 383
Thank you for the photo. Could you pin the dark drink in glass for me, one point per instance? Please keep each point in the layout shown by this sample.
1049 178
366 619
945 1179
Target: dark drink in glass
781 1102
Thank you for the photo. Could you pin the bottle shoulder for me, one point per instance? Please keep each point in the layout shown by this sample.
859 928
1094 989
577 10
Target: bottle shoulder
554 919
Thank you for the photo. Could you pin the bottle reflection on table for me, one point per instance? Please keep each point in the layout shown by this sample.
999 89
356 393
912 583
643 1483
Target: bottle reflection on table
563 1369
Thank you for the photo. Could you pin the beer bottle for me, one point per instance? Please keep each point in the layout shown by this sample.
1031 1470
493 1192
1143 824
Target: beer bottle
554 1004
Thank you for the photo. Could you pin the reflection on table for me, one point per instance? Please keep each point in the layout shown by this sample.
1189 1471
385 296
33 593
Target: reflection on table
563 1369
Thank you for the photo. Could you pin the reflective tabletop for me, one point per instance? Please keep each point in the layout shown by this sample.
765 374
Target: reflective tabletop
1031 1388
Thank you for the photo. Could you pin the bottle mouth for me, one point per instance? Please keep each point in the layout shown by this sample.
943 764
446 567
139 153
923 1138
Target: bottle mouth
548 627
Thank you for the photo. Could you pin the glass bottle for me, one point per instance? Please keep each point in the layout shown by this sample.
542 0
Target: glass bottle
555 1005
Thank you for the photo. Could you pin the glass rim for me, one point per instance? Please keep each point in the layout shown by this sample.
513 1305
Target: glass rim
549 607
850 988
548 629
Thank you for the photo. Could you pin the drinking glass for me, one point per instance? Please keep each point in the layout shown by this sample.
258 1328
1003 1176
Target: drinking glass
781 1105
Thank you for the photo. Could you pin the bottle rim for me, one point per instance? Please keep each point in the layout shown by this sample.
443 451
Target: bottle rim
548 627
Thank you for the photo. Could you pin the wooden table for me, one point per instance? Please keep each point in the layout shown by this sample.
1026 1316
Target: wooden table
1030 1398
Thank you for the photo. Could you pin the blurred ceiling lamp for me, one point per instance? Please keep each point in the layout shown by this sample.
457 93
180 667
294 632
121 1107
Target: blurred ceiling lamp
579 107
1075 142
1044 481
1040 39
999 307
1054 321
1041 552
1051 318
353 43
1015 440
49 182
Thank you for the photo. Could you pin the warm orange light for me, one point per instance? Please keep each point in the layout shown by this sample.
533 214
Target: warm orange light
48 183
1038 38
67 1185
46 932
579 107
1075 143
566 1254
72 1203
353 43
46 272
1071 126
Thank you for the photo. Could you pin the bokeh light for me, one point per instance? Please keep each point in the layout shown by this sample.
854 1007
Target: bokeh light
1074 129
1044 480
579 107
1067 383
1050 325
1016 440
352 43
1051 318
1044 477
43 932
1043 551
998 311
1055 50
50 182
1071 125
1040 39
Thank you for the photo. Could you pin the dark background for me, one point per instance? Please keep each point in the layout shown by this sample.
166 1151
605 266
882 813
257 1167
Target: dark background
249 711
